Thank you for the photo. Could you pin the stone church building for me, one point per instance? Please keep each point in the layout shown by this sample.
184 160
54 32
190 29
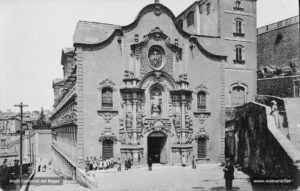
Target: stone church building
157 87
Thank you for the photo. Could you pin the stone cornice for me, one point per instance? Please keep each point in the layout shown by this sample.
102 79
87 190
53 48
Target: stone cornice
65 100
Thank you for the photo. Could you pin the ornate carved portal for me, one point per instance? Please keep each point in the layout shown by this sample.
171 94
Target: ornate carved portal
152 100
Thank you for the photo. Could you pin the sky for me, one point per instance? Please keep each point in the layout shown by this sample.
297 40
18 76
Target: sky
33 33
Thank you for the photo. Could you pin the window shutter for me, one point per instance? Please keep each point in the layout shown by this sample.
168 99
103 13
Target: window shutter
244 54
234 53
233 27
243 27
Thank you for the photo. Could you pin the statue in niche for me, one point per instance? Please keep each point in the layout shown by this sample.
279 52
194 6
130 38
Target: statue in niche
156 104
177 124
129 119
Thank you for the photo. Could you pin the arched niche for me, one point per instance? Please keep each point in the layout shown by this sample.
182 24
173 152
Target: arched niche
162 82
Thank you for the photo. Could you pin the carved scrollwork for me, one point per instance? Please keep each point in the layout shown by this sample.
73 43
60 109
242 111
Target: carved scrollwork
157 124
202 88
107 134
202 116
107 115
201 134
66 116
157 11
106 83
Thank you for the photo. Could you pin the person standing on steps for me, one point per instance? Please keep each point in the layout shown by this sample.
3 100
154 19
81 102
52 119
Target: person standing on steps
275 113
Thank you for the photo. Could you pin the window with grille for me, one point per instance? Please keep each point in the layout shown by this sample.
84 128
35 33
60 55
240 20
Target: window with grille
297 88
107 149
107 98
201 101
202 152
238 96
190 19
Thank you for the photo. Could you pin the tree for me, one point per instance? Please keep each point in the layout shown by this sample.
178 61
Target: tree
42 122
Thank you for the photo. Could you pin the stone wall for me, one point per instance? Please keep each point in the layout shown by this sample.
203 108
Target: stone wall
293 117
277 47
262 151
281 87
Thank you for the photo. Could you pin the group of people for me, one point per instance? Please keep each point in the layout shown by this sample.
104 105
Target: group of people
128 163
42 168
94 163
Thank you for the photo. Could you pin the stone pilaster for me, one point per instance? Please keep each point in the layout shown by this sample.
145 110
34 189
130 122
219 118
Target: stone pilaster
80 123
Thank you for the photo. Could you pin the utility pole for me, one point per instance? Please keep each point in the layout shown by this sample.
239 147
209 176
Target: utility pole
21 149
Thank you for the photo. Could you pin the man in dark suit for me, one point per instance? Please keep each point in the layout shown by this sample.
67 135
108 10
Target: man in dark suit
228 173
150 164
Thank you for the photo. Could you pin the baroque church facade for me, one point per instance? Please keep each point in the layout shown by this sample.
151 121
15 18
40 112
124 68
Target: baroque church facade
158 87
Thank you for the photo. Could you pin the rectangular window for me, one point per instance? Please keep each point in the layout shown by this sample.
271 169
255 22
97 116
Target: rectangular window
297 88
201 101
238 54
107 98
238 26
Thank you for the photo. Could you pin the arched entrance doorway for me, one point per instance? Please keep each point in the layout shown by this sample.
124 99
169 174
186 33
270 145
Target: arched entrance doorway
157 147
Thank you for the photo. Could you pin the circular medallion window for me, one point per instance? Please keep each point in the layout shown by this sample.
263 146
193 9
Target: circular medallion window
156 57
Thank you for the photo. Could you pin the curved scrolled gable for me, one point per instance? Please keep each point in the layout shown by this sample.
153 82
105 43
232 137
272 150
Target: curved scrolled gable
120 30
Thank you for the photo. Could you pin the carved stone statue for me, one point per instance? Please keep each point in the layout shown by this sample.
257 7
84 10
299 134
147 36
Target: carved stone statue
156 105
177 124
129 119
139 124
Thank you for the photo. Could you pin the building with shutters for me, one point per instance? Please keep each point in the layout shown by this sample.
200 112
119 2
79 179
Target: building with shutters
158 87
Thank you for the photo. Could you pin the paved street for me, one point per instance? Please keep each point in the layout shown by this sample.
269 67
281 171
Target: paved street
205 177
67 185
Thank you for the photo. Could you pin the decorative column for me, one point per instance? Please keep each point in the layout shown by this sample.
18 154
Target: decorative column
183 102
134 129
132 96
